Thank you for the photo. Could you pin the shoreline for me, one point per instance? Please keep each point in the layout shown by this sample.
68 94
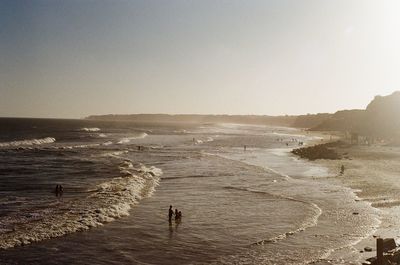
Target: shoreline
371 172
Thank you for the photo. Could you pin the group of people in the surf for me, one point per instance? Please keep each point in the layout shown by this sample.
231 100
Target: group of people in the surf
177 214
59 190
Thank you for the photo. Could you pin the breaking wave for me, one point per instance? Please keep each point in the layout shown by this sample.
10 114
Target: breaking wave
106 202
90 129
47 140
128 139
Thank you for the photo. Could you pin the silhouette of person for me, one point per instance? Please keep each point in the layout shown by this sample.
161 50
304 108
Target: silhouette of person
342 170
176 214
170 213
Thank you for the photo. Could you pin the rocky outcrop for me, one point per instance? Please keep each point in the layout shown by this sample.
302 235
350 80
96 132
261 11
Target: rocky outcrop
379 120
320 151
382 116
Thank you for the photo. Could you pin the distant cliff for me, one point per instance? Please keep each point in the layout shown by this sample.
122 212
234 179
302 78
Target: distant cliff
201 119
344 120
379 119
310 120
383 116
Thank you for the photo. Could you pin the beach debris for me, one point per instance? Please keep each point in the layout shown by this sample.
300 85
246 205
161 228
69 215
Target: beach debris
368 249
356 213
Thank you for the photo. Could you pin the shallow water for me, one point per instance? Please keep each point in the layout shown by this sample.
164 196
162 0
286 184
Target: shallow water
259 206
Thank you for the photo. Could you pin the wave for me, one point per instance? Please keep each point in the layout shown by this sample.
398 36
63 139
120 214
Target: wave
207 140
188 177
106 202
90 129
115 154
81 146
47 140
309 222
128 139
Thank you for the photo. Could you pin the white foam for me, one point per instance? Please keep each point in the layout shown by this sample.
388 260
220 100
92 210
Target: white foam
107 201
47 140
116 154
128 139
79 146
90 129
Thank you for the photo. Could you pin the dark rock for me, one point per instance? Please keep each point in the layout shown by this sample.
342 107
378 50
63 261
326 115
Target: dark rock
320 151
368 249
388 244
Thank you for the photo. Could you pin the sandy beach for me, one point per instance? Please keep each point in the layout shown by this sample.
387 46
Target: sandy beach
372 172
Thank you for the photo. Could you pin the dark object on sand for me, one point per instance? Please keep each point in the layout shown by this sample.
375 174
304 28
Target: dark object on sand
320 151
385 252
368 249
388 244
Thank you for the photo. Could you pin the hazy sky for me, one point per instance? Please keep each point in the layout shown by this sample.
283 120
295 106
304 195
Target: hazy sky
76 58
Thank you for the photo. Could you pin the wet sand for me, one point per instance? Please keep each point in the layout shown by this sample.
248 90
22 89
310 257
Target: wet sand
374 173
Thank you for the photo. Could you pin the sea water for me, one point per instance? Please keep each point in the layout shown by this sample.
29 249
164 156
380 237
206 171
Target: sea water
258 205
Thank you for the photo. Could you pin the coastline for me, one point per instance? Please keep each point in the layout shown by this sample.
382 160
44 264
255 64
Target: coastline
372 173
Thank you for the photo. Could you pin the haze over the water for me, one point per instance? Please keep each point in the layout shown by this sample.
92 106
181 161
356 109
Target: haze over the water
76 58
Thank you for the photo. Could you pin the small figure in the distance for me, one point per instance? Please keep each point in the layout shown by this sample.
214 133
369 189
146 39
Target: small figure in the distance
342 170
170 213
59 190
176 214
178 217
245 147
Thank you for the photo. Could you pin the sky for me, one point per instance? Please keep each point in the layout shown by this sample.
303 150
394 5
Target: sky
71 59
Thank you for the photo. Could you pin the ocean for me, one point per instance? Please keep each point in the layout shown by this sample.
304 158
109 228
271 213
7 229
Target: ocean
253 205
